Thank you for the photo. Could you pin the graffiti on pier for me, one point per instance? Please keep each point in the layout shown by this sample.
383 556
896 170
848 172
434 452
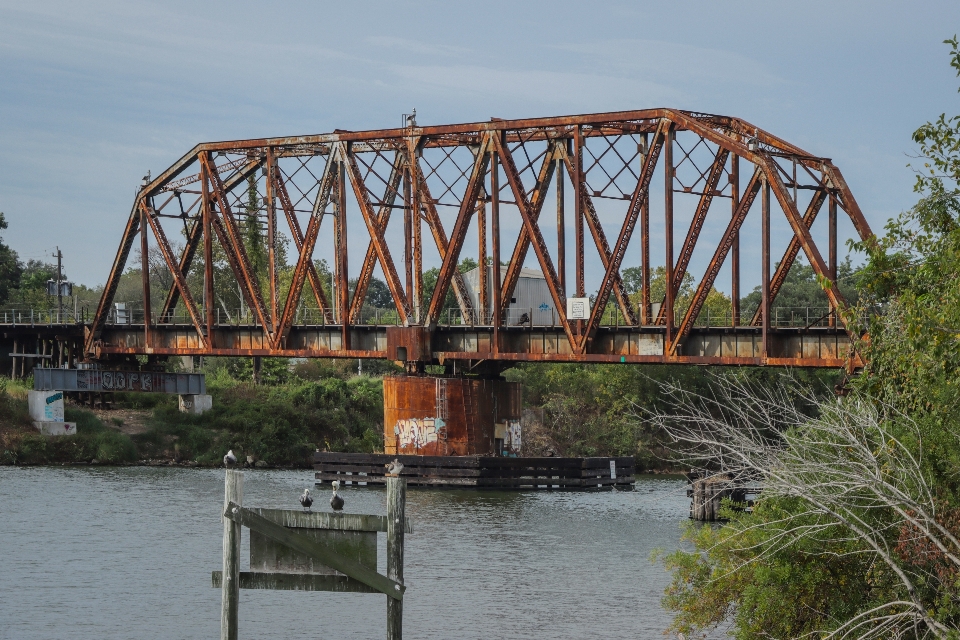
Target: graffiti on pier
513 440
418 432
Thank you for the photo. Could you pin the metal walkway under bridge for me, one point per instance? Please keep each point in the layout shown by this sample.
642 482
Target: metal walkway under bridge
558 208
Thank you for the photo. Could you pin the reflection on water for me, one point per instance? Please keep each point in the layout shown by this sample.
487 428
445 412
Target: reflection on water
127 552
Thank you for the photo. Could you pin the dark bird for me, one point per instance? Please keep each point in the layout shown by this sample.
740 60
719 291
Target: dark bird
229 460
336 501
524 319
306 500
394 468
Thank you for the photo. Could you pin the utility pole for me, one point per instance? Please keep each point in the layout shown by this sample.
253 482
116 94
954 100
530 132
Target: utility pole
59 257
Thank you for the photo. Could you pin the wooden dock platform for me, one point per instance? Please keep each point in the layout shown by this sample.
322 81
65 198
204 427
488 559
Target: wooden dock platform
487 472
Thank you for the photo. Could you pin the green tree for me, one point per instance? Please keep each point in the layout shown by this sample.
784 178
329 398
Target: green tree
909 280
31 291
802 291
10 266
890 565
253 233
716 308
430 277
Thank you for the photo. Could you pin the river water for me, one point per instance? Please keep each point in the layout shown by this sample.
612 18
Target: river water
102 553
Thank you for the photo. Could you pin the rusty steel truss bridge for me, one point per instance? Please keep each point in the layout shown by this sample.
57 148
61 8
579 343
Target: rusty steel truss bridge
418 194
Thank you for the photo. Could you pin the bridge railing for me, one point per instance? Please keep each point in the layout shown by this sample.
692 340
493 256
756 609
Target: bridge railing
780 317
33 315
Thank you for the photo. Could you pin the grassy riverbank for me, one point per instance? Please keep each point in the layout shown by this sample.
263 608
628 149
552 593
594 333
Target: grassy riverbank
573 411
279 425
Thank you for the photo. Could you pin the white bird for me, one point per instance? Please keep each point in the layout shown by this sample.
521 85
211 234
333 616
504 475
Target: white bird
306 500
336 501
394 468
229 459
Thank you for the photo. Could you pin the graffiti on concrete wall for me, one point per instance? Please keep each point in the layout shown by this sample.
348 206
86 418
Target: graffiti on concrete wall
418 432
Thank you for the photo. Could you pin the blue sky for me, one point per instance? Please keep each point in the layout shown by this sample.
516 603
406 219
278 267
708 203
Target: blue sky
93 94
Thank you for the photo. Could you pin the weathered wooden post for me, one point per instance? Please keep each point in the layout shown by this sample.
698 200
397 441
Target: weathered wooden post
230 586
396 506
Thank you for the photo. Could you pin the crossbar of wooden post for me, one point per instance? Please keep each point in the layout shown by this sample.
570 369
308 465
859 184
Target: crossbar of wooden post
314 549
296 582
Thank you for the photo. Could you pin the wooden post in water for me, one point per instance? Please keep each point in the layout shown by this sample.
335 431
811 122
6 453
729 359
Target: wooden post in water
396 507
230 589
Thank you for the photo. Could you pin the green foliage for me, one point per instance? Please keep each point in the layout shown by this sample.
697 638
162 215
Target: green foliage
800 588
716 305
273 371
589 410
763 581
280 424
803 289
253 238
10 267
430 277
909 281
344 368
31 290
93 440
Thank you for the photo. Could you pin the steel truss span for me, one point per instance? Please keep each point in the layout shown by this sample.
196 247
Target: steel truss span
633 193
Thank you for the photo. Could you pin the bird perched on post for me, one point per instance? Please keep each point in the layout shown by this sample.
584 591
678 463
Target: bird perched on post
306 500
229 460
394 468
336 501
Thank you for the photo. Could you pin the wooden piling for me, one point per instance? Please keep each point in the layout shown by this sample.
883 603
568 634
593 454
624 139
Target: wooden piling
230 589
396 506
707 494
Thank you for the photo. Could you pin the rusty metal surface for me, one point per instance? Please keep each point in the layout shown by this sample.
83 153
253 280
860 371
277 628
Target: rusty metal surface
440 416
512 164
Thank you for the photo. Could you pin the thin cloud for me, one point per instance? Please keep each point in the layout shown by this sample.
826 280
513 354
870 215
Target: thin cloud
569 90
680 62
416 46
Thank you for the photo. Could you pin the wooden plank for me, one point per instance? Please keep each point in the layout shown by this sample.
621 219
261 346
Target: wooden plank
296 582
380 459
422 480
525 482
600 481
320 520
474 471
322 475
460 482
371 469
314 549
230 591
408 471
531 473
268 555
544 463
594 463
